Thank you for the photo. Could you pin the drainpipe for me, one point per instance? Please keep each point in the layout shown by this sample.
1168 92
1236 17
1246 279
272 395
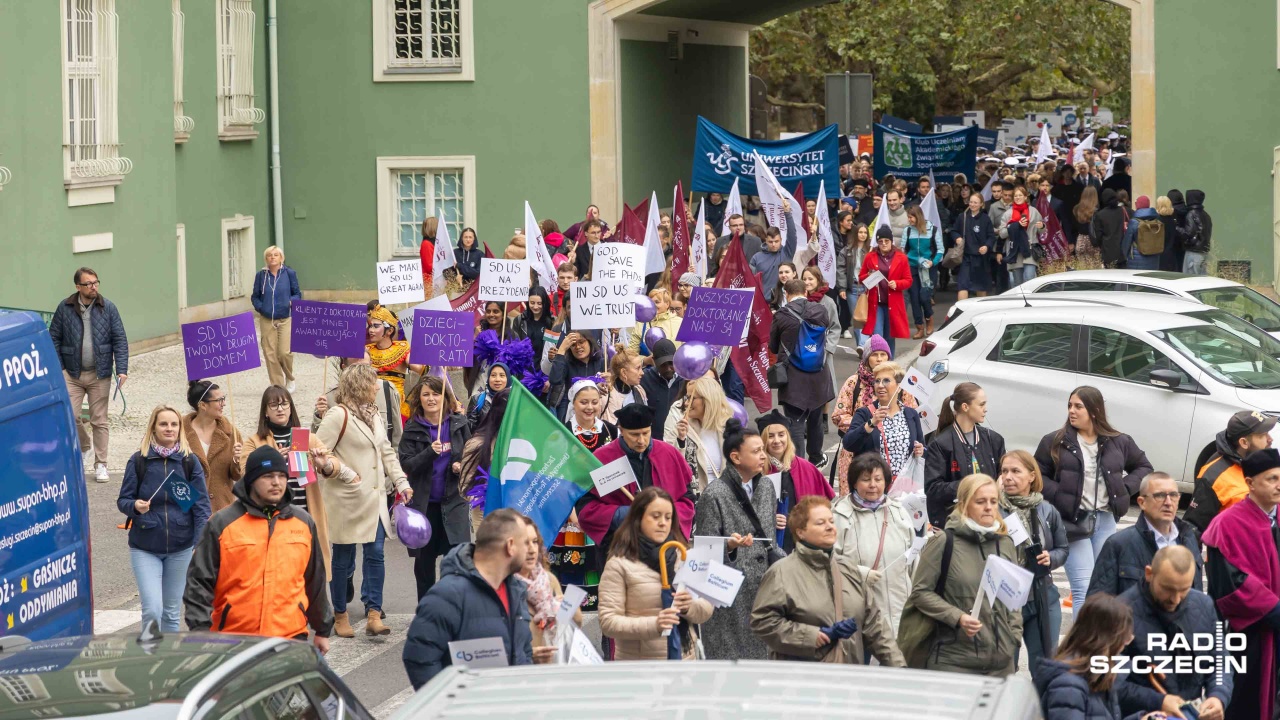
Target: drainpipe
277 200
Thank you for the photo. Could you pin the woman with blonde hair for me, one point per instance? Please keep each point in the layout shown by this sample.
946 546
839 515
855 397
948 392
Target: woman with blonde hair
1171 258
274 289
887 426
937 631
356 497
162 534
625 372
1083 215
665 320
799 478
696 425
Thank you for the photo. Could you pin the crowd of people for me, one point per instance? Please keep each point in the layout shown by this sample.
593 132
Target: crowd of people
836 566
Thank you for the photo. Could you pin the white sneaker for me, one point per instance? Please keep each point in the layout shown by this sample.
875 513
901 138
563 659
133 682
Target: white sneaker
846 335
290 387
100 473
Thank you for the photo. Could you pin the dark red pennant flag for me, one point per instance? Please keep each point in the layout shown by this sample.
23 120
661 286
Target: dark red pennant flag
679 237
642 212
487 252
470 300
1055 240
630 229
804 212
751 359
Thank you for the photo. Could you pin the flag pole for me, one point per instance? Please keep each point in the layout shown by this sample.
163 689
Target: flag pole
231 407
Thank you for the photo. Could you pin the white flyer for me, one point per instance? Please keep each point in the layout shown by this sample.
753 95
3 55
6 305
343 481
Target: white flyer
1017 531
481 653
569 604
873 279
613 476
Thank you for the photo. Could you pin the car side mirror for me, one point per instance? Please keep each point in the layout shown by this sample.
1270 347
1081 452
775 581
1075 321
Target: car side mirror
1168 379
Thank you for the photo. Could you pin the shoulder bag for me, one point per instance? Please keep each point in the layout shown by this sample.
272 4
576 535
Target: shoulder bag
916 630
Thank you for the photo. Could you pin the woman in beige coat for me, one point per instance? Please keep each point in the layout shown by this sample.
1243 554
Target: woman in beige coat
631 611
214 440
875 532
814 604
356 498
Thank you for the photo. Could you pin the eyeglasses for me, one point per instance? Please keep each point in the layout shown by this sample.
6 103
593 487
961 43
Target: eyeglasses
282 405
1165 496
217 401
93 284
883 381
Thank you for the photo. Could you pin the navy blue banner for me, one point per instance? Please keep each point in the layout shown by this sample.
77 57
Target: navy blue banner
897 124
912 156
988 139
720 157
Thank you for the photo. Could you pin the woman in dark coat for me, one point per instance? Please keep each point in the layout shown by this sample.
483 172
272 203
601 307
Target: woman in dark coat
960 448
577 357
1090 471
431 456
469 255
973 231
1171 258
1068 689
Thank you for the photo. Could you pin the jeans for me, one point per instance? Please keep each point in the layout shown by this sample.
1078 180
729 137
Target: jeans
1031 628
882 328
852 300
920 297
806 429
373 572
161 581
732 384
1082 554
1026 273
1194 263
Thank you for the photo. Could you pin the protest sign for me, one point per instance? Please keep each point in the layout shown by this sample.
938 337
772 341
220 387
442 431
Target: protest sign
504 280
442 338
776 479
875 278
601 306
1016 529
221 347
400 282
910 155
1003 581
716 316
721 157
719 585
569 603
618 263
613 476
582 651
698 559
918 386
481 653
328 329
439 302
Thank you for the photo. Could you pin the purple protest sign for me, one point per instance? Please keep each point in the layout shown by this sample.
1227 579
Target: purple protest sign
328 329
220 347
444 339
716 316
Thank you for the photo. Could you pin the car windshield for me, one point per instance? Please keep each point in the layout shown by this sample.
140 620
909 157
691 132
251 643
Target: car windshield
1234 325
1221 354
1243 302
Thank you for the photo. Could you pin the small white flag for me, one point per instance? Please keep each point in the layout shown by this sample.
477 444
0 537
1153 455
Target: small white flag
654 259
987 191
698 243
735 207
1046 145
929 206
443 258
882 219
1078 155
536 247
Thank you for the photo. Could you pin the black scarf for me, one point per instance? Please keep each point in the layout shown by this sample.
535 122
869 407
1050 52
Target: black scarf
280 431
649 556
734 481
640 464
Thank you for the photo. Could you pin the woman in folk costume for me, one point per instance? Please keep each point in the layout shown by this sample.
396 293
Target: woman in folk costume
389 356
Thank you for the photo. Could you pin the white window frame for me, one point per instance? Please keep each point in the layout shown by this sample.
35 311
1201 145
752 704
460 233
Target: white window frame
388 213
386 70
236 23
182 125
248 255
91 152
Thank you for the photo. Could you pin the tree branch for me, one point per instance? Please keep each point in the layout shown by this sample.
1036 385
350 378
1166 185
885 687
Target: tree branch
1050 96
1083 76
772 100
999 76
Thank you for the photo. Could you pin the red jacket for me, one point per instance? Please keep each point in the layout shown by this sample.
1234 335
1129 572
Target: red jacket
427 251
899 272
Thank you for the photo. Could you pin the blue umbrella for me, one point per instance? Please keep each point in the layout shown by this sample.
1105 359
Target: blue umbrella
784 506
675 650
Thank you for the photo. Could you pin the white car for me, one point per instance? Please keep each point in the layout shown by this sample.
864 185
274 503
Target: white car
1239 300
1170 380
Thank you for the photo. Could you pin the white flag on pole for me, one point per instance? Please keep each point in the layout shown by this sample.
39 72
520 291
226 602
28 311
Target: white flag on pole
826 244
986 191
443 258
929 206
654 260
735 207
539 258
1046 145
882 219
1078 155
772 195
698 243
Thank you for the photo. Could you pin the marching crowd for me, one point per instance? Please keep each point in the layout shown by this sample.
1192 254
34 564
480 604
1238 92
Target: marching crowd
836 566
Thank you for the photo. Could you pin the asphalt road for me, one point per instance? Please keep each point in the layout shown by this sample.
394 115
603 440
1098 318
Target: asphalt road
370 666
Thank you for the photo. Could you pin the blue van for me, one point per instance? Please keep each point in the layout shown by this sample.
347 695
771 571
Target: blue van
45 586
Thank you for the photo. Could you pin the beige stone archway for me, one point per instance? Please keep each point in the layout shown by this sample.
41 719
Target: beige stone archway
605 96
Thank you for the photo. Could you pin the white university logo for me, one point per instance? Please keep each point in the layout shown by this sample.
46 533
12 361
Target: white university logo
724 161
520 457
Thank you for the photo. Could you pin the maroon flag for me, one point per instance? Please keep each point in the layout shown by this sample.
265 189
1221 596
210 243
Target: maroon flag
1054 240
487 252
470 300
642 212
750 359
679 236
630 228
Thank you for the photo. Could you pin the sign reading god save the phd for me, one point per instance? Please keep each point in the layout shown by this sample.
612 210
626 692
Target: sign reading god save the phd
720 157
913 156
220 347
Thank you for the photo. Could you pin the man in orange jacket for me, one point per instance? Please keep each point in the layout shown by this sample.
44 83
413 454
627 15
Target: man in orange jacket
1220 483
257 569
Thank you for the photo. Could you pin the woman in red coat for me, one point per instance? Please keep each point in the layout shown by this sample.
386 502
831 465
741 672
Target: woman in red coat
889 320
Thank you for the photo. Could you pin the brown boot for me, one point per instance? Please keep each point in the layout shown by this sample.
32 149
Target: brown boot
342 626
374 625
919 334
928 327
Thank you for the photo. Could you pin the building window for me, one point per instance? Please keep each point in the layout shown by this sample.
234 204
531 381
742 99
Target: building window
238 261
23 688
417 40
90 67
236 112
182 125
412 189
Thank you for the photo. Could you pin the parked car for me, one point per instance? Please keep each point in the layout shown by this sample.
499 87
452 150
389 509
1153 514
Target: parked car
179 676
1239 300
713 689
1171 380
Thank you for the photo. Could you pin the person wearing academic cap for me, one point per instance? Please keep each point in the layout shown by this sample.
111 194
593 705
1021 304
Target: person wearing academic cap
654 463
799 478
1244 580
662 386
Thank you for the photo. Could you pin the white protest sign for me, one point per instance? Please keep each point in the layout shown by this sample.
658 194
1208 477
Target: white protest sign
439 303
1017 531
504 280
400 282
482 653
1003 581
581 651
698 559
919 387
618 263
601 306
720 584
614 476
873 279
776 479
569 604
916 505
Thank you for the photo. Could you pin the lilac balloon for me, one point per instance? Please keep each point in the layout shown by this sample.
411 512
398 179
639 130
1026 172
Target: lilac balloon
646 311
412 527
693 360
739 412
652 337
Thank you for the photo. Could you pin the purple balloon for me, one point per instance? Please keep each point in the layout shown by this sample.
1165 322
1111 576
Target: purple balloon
652 337
412 527
646 311
693 360
739 412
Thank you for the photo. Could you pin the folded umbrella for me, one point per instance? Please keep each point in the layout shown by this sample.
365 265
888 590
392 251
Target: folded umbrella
675 650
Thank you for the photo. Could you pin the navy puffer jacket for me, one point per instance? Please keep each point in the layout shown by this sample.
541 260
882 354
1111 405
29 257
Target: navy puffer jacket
1122 562
1196 615
109 341
1065 695
165 527
463 606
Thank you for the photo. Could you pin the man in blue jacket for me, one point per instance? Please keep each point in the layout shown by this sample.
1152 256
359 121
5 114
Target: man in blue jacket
274 288
89 337
478 596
